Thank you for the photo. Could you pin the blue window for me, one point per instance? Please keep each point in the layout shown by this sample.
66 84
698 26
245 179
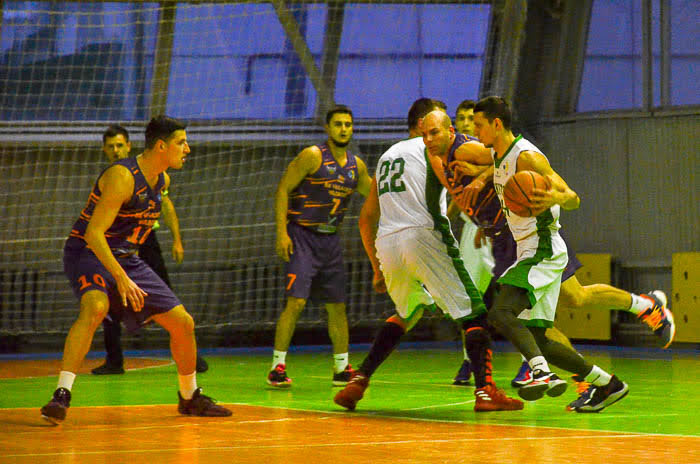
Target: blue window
76 60
234 61
392 54
612 73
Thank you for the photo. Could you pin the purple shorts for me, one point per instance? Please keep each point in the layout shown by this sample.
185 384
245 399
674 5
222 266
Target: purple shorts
85 272
505 252
316 267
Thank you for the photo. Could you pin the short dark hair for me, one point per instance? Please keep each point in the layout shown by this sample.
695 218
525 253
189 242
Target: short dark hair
161 128
113 131
420 108
342 109
465 105
495 107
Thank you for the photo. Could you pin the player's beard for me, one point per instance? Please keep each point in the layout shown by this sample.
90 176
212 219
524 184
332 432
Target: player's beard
340 144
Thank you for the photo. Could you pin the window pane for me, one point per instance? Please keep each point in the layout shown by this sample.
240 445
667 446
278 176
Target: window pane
234 61
685 52
76 60
612 77
396 53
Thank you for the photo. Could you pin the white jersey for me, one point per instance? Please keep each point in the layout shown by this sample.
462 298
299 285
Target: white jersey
410 195
417 252
504 169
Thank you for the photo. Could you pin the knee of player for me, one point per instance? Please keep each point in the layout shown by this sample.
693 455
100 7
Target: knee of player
187 322
295 305
94 305
336 309
572 299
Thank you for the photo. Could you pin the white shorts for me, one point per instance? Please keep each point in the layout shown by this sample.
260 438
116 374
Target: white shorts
538 269
419 272
479 261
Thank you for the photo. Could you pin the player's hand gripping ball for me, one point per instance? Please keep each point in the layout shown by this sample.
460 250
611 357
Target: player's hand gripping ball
518 190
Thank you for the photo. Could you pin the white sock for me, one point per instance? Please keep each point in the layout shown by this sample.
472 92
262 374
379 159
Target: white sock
65 380
464 347
278 357
341 362
640 304
598 377
538 362
188 384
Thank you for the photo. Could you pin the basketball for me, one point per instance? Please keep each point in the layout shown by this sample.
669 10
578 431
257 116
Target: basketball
518 189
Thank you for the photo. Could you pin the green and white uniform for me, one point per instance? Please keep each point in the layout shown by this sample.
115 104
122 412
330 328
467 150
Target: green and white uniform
416 249
542 254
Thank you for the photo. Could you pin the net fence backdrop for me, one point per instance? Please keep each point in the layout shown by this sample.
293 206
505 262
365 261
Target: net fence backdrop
240 79
254 81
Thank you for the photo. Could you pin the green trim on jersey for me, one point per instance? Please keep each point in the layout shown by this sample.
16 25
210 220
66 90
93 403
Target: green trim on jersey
497 161
433 191
518 276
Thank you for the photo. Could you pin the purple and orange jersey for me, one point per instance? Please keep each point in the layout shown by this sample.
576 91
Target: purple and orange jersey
486 212
135 218
320 201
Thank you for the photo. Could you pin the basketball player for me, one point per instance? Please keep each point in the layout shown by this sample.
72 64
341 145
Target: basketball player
485 212
474 248
116 145
525 303
102 265
414 257
311 201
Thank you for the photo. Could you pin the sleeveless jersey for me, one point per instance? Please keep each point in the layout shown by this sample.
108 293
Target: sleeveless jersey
504 169
410 194
320 201
135 218
486 212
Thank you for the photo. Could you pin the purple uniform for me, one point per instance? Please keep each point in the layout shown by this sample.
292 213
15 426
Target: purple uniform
320 201
317 207
488 215
130 228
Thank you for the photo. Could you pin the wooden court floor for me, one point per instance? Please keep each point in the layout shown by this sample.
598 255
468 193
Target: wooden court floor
155 433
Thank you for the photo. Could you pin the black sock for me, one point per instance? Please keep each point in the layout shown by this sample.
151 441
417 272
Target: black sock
384 343
478 343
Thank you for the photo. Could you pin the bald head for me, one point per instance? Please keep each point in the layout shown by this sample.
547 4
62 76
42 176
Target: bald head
438 117
438 133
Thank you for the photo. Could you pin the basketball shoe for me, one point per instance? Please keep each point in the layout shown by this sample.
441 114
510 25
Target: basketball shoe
353 391
340 379
108 369
464 374
583 389
492 398
596 398
542 382
278 377
200 405
659 317
523 377
55 410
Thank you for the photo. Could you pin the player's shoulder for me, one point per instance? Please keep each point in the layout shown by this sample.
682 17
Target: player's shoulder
407 146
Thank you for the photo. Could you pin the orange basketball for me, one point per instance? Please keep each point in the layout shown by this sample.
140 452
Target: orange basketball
518 189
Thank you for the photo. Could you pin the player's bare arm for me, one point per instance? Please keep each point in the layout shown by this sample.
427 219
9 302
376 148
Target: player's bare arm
306 162
171 220
467 195
368 223
116 185
558 194
365 181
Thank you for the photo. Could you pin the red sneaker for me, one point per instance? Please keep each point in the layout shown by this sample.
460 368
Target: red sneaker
492 398
353 391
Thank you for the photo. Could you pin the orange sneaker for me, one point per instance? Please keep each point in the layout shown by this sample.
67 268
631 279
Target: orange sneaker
353 391
492 398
